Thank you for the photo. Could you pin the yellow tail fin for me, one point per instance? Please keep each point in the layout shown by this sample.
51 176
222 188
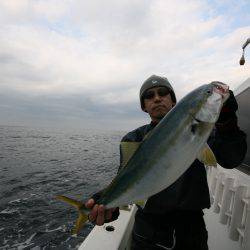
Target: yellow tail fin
82 218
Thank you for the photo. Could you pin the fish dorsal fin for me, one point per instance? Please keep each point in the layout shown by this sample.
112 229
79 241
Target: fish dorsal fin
207 156
127 150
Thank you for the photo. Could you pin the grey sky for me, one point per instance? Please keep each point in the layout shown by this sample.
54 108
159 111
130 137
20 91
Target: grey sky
81 64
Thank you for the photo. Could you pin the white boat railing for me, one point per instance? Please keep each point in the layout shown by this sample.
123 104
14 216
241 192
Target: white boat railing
230 196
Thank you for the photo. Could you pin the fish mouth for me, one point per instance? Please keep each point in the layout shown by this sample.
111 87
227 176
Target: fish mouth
221 89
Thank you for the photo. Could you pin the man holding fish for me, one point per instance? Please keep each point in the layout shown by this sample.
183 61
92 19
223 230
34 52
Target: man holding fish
162 164
174 216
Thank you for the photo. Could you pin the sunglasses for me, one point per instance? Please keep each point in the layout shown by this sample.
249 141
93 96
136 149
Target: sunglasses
150 94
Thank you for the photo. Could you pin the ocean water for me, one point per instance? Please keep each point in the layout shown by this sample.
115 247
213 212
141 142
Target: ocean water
38 164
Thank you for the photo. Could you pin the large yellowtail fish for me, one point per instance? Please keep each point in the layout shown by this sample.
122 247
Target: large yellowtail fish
166 153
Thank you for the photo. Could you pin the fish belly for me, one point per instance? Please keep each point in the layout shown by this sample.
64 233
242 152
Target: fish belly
164 167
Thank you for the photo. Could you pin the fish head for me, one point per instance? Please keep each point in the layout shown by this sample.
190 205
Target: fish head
222 89
214 95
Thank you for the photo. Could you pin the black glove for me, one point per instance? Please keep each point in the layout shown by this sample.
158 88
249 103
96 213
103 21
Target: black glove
227 121
229 108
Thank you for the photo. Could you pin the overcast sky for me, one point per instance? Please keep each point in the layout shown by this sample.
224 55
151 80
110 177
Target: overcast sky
80 64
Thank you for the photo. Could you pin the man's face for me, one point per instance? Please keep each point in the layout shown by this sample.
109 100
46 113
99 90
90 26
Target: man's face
157 102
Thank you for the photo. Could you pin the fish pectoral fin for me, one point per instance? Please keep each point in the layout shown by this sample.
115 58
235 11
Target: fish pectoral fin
141 203
82 218
207 156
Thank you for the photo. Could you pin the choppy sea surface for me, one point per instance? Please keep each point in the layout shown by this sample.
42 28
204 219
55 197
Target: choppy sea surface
36 164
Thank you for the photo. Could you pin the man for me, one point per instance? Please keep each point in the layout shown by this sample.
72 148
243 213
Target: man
173 218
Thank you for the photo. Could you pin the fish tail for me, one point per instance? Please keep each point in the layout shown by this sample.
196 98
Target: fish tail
82 218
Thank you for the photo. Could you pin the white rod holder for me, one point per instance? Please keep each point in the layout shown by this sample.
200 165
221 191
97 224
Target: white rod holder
246 238
218 192
226 200
237 212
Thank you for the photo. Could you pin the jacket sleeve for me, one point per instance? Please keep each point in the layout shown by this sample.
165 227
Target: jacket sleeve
135 136
116 213
97 195
227 141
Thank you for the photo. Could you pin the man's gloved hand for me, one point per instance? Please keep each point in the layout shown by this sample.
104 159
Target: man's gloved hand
229 108
228 120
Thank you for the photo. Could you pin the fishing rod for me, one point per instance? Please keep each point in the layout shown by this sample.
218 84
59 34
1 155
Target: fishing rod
242 59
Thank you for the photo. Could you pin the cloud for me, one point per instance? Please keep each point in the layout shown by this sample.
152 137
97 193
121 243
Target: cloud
102 52
77 111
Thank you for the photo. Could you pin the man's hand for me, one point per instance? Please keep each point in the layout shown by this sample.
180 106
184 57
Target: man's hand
98 215
227 122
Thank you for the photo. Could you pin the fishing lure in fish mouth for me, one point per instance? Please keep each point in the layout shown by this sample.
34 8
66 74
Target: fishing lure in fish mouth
165 154
216 95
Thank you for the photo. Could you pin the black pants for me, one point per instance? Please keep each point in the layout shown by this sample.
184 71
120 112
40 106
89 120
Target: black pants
182 230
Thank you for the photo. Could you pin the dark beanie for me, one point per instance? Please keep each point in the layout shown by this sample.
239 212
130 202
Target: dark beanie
156 81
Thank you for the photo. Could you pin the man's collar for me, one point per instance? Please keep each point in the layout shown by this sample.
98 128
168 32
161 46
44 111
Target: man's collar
153 123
